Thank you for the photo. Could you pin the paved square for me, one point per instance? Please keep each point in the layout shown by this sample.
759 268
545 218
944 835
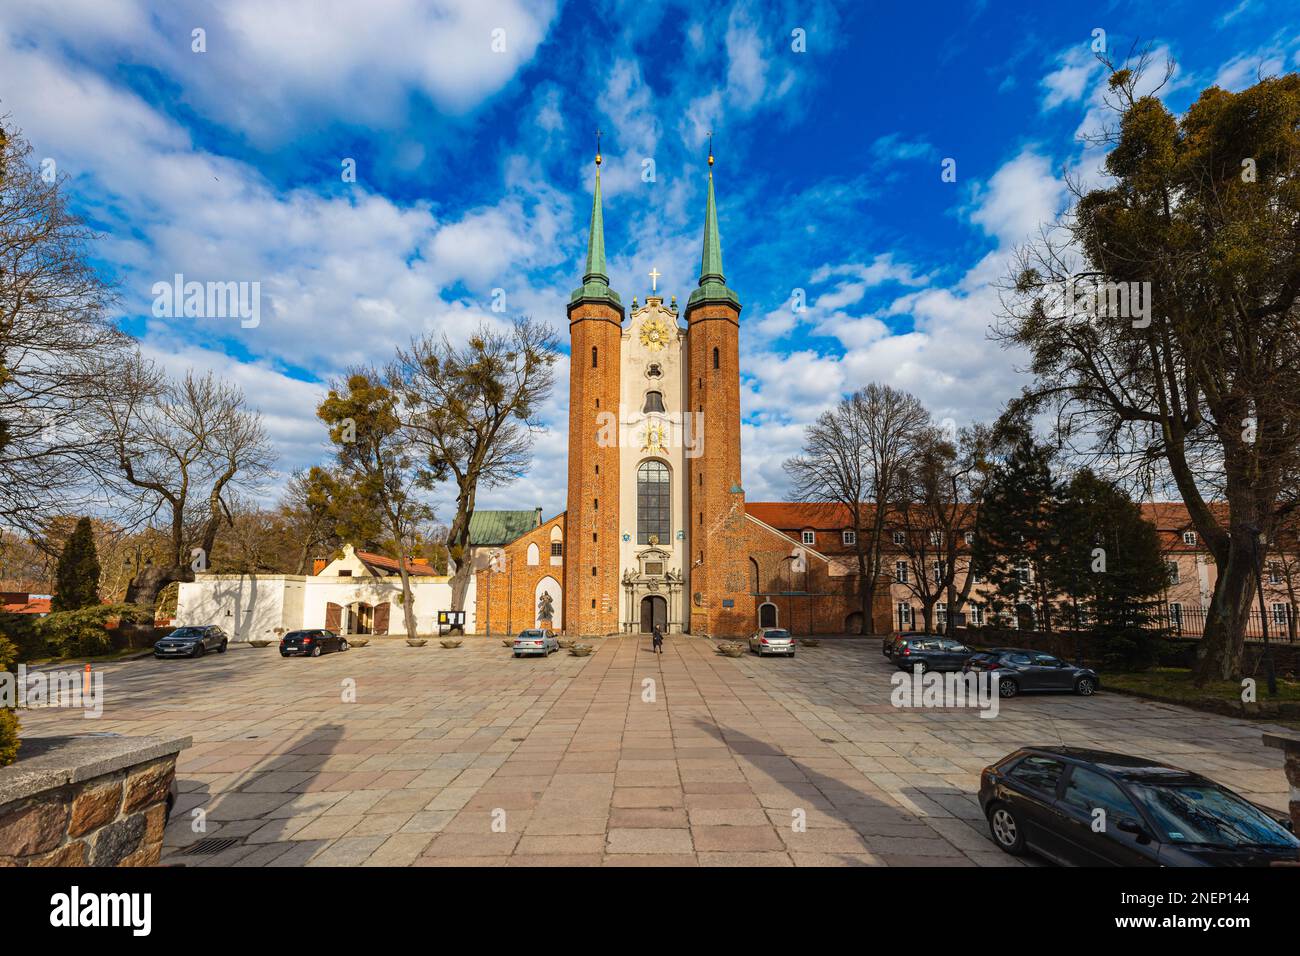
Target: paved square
470 757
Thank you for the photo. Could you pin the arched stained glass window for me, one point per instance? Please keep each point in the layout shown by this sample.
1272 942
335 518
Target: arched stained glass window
653 503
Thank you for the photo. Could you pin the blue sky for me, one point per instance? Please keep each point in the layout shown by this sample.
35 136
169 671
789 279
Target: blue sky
474 173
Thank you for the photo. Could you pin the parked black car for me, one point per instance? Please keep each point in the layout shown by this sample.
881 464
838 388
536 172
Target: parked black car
311 643
930 653
894 642
1019 670
1081 807
192 641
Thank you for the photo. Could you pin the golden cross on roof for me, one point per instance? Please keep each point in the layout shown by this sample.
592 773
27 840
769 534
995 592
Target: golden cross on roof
654 279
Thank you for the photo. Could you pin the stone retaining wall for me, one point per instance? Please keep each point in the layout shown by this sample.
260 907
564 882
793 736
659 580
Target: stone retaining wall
87 801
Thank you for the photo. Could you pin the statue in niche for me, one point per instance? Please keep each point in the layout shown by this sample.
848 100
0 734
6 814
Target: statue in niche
545 608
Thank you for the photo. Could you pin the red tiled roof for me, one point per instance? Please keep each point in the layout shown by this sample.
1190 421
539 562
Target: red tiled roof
786 515
32 606
413 566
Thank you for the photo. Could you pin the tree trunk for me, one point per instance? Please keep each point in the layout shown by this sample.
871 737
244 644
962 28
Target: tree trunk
460 582
408 602
149 583
1218 655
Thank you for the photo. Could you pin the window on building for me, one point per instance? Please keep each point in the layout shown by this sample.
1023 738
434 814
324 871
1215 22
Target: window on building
900 572
1176 615
969 538
716 359
653 370
1279 613
898 538
1022 572
557 549
937 571
654 402
809 537
593 356
1274 572
653 502
1172 568
977 615
1189 537
941 612
936 538
904 615
849 537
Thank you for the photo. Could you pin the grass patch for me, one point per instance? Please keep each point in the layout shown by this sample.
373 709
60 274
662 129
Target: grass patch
1175 684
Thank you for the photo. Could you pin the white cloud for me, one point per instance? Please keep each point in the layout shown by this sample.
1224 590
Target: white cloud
1070 80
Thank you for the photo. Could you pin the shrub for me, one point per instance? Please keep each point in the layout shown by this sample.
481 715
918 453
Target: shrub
1128 649
9 741
85 632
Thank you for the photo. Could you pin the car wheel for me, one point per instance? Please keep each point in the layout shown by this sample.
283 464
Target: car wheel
1008 833
344 645
1007 688
222 648
1085 687
516 655
315 651
200 649
283 654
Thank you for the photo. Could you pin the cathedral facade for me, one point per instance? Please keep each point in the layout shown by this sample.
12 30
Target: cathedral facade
656 530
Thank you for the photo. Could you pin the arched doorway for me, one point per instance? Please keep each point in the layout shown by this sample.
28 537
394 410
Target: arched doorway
548 600
361 618
853 623
654 610
767 615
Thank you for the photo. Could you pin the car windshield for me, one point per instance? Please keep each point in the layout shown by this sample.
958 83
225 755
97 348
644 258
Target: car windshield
531 635
187 633
1209 816
779 635
295 635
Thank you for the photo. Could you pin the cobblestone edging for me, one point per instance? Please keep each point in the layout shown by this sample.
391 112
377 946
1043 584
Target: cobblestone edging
87 801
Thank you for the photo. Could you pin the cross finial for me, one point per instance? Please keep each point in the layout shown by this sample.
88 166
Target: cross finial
710 147
597 147
654 279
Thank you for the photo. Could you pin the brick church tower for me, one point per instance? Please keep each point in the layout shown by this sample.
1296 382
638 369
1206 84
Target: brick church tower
591 579
720 598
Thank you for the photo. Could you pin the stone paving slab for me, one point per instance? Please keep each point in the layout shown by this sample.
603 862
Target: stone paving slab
469 757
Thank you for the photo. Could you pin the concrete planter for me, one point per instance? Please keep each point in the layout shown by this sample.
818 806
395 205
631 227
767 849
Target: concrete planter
261 643
416 642
731 648
580 650
358 641
87 801
451 642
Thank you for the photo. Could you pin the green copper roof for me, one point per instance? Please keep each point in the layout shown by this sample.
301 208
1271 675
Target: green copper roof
713 285
499 527
595 281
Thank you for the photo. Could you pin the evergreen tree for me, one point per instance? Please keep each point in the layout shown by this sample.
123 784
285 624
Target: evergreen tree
76 580
1105 561
1012 532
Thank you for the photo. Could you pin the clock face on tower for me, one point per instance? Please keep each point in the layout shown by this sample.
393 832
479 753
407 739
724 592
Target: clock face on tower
654 334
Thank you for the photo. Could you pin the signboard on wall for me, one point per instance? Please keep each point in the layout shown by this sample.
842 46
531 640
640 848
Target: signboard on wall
451 618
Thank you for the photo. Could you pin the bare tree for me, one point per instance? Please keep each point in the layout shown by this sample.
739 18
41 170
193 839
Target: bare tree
854 455
54 341
181 449
472 410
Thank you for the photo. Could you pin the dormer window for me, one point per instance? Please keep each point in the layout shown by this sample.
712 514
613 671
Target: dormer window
809 537
1189 537
654 402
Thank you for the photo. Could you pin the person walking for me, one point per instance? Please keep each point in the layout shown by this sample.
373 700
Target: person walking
657 639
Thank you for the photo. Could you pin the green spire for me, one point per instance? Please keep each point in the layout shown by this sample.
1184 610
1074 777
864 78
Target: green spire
713 285
596 239
595 280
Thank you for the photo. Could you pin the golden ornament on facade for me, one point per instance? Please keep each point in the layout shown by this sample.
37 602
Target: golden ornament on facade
654 440
654 334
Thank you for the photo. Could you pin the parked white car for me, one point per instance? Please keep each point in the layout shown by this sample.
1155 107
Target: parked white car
536 641
772 640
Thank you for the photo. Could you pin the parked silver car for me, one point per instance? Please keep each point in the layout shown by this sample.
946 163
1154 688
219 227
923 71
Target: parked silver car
536 640
772 640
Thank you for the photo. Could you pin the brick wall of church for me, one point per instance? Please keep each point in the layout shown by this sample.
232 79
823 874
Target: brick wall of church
591 588
507 600
812 601
719 571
